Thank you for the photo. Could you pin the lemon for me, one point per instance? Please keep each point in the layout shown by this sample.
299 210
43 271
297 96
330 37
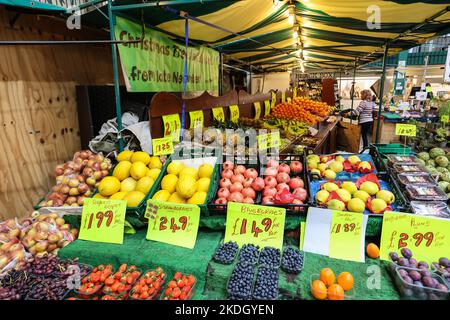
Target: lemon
203 184
155 163
198 198
153 173
99 196
175 198
122 170
108 186
175 167
189 171
138 170
140 156
205 171
144 184
169 182
186 186
161 195
118 196
134 198
127 185
124 156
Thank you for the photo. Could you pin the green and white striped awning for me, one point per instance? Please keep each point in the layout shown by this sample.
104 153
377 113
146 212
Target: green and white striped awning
331 34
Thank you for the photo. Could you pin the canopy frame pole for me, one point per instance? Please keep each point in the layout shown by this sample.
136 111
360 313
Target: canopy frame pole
353 89
115 74
380 105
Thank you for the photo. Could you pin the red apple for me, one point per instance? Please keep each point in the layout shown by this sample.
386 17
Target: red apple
295 183
251 173
272 163
240 169
282 186
300 194
82 188
238 178
296 167
269 192
249 193
258 184
223 193
247 182
228 165
227 173
225 183
271 171
284 168
283 177
270 181
267 200
236 187
248 200
87 172
221 201
235 197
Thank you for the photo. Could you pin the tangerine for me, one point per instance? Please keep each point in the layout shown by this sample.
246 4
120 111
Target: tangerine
319 290
335 292
345 280
327 276
373 251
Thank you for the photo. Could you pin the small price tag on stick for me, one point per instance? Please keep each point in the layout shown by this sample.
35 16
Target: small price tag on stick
257 109
196 119
267 107
162 146
218 114
408 130
103 220
234 113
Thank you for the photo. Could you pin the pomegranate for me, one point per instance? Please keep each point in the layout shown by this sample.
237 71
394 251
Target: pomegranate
296 167
238 178
267 200
251 173
240 169
248 200
284 168
272 163
295 183
300 194
282 186
269 192
271 172
228 165
236 187
283 177
227 173
270 181
247 182
223 193
297 201
225 183
235 197
258 184
249 193
221 201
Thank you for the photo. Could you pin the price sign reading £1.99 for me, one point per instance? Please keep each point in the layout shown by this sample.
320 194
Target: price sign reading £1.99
428 238
260 225
103 220
172 223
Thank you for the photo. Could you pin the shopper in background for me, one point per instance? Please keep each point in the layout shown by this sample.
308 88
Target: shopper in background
365 112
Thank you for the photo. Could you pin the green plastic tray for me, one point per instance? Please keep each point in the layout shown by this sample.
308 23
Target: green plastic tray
392 148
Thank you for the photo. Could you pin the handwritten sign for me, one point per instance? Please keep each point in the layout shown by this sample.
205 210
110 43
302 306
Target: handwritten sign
234 113
345 235
274 99
283 96
172 124
172 223
295 93
162 146
302 234
444 118
103 220
218 114
257 109
408 130
269 140
289 100
259 225
196 118
266 107
427 237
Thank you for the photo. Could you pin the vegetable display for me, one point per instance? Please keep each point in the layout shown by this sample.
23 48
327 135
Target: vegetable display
226 253
180 287
149 285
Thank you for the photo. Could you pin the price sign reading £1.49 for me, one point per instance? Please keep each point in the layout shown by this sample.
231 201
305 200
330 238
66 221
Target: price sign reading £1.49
260 225
103 220
428 238
172 223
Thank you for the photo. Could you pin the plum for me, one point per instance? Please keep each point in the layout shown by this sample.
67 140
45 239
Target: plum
444 262
423 265
406 253
425 273
413 263
428 282
442 287
402 272
415 275
403 262
433 296
436 266
407 279
393 256
406 292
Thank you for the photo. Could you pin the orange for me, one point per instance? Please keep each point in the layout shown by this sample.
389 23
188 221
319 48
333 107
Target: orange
335 292
345 280
319 290
373 251
327 276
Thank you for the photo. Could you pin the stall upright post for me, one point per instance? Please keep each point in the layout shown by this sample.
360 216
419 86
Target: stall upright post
380 106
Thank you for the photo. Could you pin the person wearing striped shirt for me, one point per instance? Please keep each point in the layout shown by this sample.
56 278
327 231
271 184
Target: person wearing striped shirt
365 112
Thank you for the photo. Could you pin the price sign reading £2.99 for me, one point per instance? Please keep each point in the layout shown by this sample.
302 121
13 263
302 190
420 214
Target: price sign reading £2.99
260 225
172 223
103 220
428 238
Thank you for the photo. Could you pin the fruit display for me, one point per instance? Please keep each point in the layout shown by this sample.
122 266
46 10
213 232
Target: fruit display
77 179
415 177
393 159
131 179
120 283
149 285
249 254
92 283
181 287
372 251
408 168
48 289
302 109
266 284
9 294
226 253
292 260
17 282
185 184
270 257
442 267
431 208
327 286
330 167
363 195
240 284
425 192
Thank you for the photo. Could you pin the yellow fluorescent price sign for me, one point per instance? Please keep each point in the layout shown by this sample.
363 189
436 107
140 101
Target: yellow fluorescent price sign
259 225
269 140
172 124
283 96
103 220
408 130
444 118
172 223
266 107
162 146
257 110
234 113
196 118
289 99
345 236
274 100
428 238
219 114
295 92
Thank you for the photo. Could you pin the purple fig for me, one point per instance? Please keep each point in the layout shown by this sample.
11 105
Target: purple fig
423 264
402 272
413 263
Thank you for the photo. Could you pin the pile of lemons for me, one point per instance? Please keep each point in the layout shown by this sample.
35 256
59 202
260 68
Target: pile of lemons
184 184
132 178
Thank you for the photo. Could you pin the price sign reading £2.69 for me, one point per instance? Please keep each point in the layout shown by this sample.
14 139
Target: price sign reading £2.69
103 220
260 225
428 238
402 129
172 223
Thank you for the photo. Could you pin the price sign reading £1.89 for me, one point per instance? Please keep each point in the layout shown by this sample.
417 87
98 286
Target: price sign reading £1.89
402 129
172 223
260 225
428 238
103 220
345 236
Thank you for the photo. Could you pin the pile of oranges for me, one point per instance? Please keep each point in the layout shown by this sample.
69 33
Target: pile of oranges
302 109
327 287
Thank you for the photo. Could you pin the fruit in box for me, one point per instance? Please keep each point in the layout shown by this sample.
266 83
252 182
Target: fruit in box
344 195
385 195
356 205
361 194
369 187
349 186
353 160
335 204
